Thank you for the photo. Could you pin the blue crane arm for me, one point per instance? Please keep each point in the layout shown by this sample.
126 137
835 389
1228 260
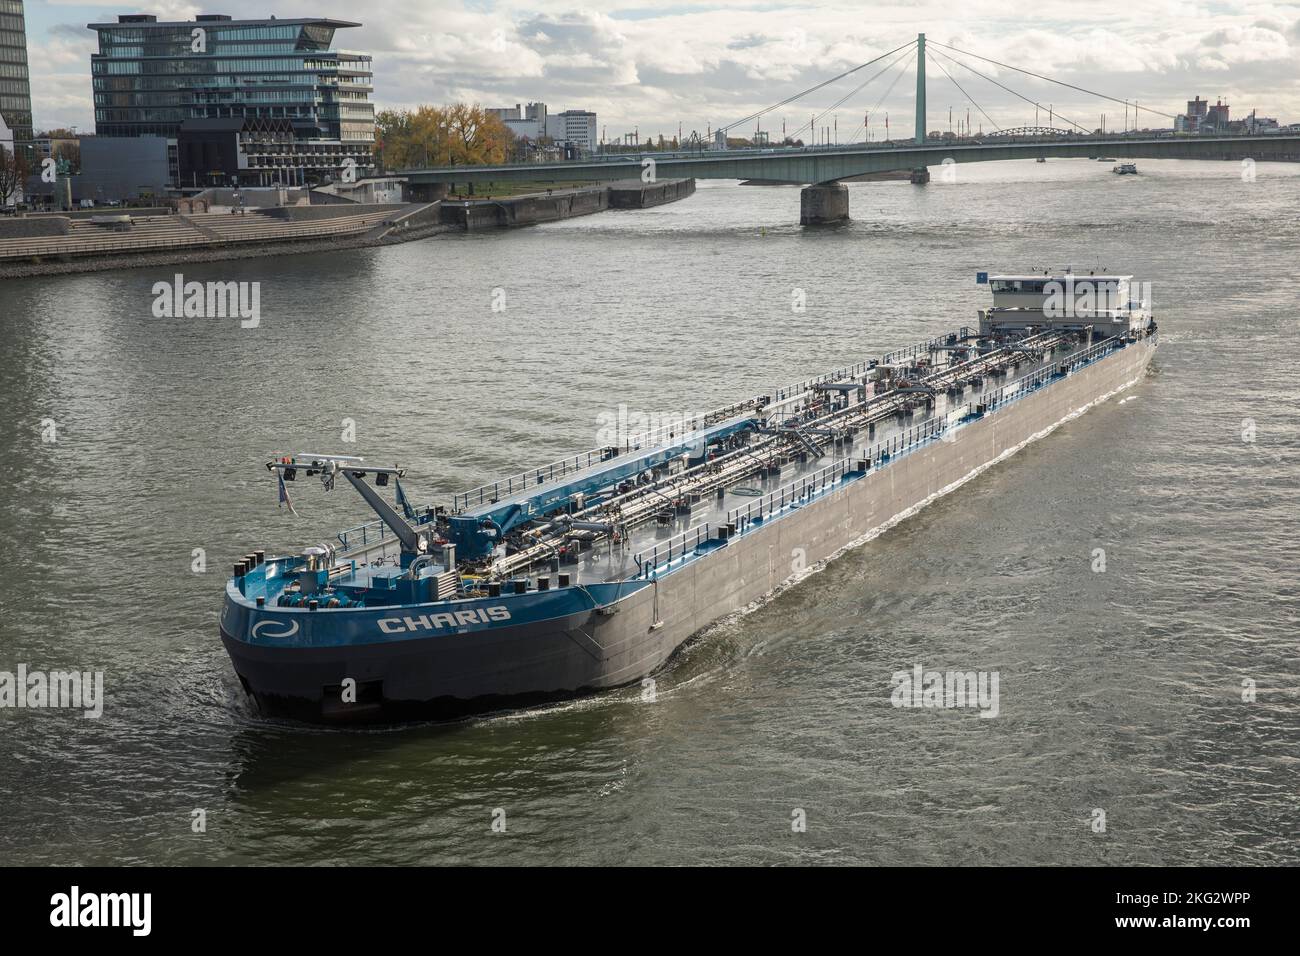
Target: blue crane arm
476 531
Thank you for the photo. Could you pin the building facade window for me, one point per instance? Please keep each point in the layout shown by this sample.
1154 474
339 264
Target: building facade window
15 82
147 80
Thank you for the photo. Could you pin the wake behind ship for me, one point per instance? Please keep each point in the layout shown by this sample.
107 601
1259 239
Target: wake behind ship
588 573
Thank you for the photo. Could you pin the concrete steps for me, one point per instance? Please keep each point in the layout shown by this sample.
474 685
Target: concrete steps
205 229
255 227
84 238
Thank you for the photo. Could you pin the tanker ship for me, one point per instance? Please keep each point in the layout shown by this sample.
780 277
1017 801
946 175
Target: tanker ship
587 573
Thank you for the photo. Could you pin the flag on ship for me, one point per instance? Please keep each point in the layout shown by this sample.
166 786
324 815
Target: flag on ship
405 503
284 494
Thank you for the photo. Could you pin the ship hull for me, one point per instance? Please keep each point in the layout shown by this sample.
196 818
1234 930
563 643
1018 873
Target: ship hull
613 643
449 675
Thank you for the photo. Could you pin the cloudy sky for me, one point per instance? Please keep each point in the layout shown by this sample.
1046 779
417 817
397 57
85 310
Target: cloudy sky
651 68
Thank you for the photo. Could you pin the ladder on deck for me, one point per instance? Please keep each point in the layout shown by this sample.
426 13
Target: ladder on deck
812 447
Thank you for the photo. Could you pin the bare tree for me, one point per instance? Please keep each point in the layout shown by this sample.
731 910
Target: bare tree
13 172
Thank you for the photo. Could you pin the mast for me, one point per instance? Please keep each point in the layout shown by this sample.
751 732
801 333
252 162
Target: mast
414 542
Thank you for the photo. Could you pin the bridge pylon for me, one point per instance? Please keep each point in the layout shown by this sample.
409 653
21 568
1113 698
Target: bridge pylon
920 89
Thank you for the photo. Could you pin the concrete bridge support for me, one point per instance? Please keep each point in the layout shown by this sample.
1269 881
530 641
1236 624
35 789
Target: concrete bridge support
427 192
823 202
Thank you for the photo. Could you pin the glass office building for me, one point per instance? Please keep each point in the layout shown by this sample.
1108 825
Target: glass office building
15 85
150 77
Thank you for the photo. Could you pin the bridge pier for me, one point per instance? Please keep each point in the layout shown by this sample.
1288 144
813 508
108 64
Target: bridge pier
822 203
426 192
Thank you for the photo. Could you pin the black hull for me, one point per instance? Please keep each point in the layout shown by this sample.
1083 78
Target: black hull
441 709
449 677
571 654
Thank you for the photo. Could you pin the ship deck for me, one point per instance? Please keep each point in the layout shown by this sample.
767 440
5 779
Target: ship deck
609 562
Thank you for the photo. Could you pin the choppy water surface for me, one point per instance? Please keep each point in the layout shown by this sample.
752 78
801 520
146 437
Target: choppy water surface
1119 691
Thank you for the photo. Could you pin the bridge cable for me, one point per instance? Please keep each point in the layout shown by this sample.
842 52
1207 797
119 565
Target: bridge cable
1010 90
996 127
1050 80
905 60
1034 103
812 89
884 96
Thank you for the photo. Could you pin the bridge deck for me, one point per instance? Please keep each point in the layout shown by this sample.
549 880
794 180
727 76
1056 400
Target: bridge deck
828 164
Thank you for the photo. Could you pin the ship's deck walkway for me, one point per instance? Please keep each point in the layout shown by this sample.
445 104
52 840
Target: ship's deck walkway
607 562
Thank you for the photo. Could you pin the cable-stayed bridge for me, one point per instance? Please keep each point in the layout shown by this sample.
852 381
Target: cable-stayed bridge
823 167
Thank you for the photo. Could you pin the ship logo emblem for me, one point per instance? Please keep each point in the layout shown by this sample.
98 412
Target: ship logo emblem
260 629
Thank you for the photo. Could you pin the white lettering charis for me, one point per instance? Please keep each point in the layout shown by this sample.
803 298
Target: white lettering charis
449 619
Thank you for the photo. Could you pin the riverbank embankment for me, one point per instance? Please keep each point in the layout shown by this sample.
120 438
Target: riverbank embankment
60 245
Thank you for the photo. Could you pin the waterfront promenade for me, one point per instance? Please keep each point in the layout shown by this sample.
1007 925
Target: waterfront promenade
40 244
117 238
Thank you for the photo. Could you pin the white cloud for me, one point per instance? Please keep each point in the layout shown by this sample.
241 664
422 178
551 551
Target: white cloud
711 63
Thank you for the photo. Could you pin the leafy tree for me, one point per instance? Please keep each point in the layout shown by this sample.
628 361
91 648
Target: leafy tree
477 136
456 135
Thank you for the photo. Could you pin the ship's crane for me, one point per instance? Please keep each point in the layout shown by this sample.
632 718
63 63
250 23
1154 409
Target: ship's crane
414 541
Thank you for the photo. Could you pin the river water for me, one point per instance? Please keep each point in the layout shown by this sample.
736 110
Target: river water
1120 691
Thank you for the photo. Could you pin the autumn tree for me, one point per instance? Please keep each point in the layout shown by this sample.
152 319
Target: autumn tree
457 135
477 136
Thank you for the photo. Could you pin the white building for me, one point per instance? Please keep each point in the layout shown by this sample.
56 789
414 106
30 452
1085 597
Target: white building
1260 124
524 122
575 127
